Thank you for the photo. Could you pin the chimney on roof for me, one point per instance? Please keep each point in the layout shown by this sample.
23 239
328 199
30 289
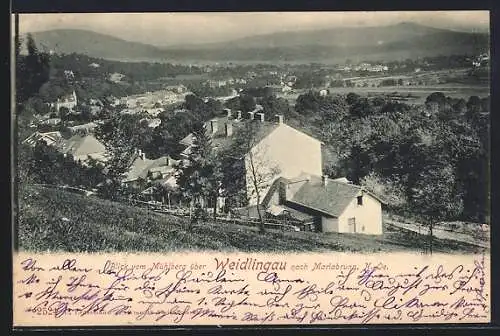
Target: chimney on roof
229 129
213 126
280 118
324 180
251 113
167 161
239 115
261 116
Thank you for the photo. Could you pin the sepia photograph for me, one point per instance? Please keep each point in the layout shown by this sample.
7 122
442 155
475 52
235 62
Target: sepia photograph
245 134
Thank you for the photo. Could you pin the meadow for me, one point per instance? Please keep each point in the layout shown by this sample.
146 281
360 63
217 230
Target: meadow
57 220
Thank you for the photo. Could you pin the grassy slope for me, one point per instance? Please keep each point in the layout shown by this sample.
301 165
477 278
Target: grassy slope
99 225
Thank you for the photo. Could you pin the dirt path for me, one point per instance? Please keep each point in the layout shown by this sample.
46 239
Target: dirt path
442 234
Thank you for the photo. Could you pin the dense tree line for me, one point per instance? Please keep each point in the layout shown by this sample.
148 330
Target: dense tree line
405 149
32 71
201 89
138 71
94 82
45 164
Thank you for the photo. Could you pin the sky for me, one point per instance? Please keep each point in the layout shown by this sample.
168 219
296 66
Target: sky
186 28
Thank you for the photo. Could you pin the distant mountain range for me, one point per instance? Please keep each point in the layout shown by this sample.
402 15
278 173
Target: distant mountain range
405 40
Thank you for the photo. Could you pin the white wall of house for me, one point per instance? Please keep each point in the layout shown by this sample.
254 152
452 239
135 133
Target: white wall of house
68 102
329 224
287 149
69 105
368 217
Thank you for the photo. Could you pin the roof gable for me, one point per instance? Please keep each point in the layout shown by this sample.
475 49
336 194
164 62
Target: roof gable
49 137
79 145
141 167
219 138
331 199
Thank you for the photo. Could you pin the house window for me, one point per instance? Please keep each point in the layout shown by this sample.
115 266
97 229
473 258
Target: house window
352 225
360 200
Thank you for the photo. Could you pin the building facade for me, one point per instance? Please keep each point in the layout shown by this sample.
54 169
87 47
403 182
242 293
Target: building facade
68 102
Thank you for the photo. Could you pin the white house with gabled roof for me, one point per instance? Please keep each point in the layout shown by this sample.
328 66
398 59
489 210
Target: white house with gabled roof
278 150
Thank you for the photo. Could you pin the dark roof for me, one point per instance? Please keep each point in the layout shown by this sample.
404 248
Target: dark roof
331 199
140 167
81 145
219 138
285 211
47 137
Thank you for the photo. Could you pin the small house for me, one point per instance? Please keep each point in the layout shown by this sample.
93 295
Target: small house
142 168
49 138
83 148
336 204
68 101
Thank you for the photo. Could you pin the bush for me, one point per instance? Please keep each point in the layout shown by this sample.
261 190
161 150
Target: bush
389 191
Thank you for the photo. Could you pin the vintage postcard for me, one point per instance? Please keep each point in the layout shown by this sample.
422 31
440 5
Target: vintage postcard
315 168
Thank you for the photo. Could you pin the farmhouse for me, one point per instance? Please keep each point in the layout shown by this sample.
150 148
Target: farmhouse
152 123
82 148
275 148
49 138
295 186
336 205
68 101
116 77
83 128
51 121
142 169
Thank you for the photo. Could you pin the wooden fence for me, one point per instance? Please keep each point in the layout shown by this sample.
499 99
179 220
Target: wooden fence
269 223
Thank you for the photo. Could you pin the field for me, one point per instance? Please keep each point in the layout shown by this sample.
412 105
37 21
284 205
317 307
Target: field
55 220
417 94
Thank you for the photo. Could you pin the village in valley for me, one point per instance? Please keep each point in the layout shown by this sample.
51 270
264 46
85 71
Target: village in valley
368 155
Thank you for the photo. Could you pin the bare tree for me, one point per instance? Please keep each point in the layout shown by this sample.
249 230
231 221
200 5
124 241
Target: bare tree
247 161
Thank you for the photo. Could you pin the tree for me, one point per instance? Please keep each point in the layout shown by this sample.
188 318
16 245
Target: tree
32 70
391 191
308 103
485 104
435 197
63 113
361 108
193 103
460 106
333 108
86 113
473 107
352 98
249 158
437 97
247 103
199 176
121 138
273 106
